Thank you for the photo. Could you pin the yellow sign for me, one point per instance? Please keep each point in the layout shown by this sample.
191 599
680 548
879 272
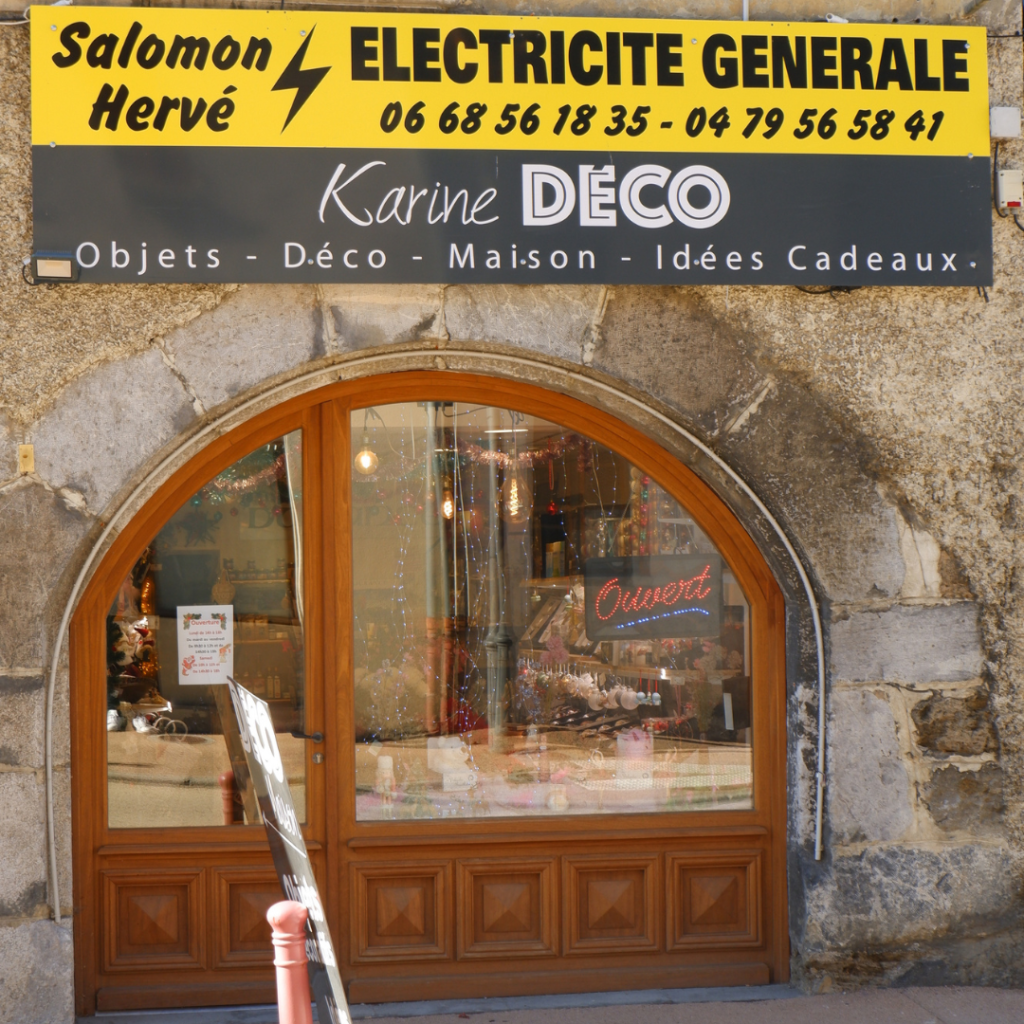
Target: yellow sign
105 76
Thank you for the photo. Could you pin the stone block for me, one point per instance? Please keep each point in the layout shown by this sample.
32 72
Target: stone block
62 833
955 725
668 343
921 556
37 974
21 720
61 714
37 539
850 534
107 423
550 319
966 801
257 332
22 844
366 316
819 490
8 451
868 785
896 895
908 644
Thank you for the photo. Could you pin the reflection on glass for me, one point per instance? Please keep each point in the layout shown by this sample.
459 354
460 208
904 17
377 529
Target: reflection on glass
230 561
540 628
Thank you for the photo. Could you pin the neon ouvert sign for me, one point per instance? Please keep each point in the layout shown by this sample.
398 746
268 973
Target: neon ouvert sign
665 596
661 602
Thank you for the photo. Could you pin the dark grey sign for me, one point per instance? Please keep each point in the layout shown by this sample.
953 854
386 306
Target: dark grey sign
288 848
356 215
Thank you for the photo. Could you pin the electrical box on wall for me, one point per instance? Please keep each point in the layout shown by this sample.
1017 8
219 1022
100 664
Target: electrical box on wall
1004 122
1009 189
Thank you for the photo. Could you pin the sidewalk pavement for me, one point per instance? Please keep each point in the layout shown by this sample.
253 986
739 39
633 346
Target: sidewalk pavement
774 1004
870 1006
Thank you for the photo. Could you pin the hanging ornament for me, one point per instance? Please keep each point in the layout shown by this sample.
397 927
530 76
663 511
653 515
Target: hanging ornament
223 591
585 456
147 596
643 514
198 529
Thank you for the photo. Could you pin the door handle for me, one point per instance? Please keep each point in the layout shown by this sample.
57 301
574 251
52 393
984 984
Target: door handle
316 737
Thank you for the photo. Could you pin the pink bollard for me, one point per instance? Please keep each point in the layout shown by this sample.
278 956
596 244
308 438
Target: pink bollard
288 923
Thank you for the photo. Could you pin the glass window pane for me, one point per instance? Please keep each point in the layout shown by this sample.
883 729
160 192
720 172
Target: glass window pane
539 627
218 591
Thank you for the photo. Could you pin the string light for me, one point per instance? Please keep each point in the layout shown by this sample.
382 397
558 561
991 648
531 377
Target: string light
664 615
366 458
516 492
516 496
448 499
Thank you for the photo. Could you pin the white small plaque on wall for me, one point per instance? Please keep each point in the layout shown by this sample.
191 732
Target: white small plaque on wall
206 644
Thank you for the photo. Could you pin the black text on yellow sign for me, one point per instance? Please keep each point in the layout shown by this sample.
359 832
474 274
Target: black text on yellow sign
173 77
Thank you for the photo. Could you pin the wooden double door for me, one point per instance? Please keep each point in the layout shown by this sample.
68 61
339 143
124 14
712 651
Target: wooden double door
423 908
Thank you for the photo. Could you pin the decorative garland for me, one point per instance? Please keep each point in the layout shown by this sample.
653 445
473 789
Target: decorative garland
554 450
227 484
527 458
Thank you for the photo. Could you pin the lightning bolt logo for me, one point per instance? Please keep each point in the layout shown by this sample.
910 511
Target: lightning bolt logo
303 81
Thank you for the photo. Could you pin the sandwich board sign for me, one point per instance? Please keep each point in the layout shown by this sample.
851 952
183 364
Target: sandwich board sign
288 849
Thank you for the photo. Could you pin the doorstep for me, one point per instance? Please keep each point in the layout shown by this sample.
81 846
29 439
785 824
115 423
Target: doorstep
435 1007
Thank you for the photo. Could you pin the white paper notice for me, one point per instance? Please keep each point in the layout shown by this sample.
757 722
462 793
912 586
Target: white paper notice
206 644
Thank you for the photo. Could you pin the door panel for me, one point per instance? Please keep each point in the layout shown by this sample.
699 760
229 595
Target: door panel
170 888
153 919
242 898
610 903
400 911
673 915
507 907
563 897
178 935
714 900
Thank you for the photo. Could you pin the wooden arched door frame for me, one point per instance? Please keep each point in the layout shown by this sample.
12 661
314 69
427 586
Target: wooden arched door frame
339 844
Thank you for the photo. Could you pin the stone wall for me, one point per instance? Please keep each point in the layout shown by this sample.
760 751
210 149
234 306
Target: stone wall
882 427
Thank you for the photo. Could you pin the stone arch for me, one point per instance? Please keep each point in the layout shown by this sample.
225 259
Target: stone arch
804 653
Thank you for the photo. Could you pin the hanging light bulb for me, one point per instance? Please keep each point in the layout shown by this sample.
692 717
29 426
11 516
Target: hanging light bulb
448 499
516 496
366 458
